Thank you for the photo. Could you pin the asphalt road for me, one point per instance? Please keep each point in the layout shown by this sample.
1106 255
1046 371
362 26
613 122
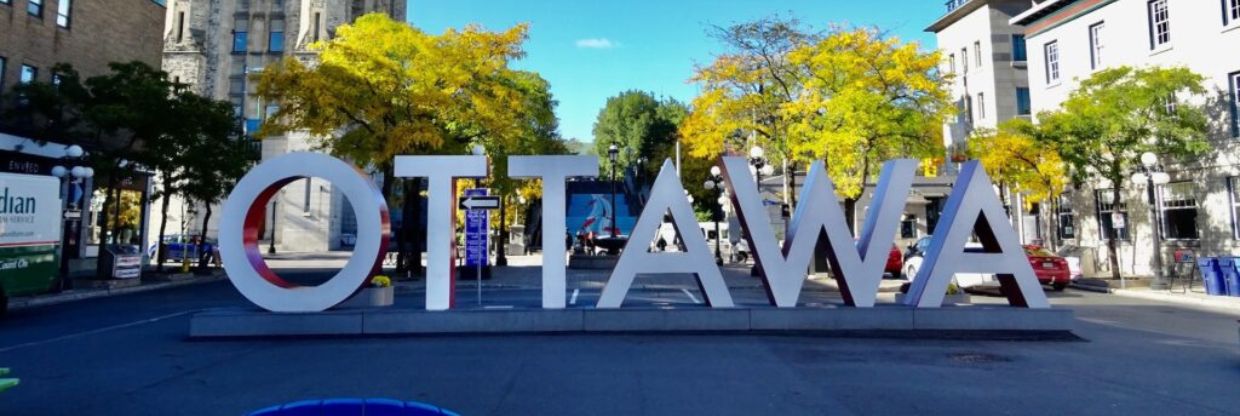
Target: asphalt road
129 355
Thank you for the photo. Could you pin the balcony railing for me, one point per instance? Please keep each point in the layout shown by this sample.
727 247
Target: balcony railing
955 4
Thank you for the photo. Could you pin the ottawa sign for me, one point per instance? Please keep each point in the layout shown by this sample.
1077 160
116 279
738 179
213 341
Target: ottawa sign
972 208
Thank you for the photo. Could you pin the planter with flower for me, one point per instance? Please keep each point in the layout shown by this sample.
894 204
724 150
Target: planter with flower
377 293
954 296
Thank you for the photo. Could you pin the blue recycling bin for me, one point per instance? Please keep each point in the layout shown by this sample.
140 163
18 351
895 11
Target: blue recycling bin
1211 277
1229 269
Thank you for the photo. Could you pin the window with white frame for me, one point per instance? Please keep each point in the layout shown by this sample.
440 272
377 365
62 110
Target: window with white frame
1233 187
29 74
1231 11
1160 24
1051 50
981 106
1095 45
951 63
63 10
1065 221
1234 78
964 60
977 52
1112 217
1178 207
34 8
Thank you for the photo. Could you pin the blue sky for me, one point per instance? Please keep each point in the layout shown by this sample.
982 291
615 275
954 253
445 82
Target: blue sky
590 50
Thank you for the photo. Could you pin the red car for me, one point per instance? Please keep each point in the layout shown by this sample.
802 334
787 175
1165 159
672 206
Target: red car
1051 269
895 262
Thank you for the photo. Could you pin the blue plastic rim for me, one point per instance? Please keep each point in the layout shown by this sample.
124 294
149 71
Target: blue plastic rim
354 407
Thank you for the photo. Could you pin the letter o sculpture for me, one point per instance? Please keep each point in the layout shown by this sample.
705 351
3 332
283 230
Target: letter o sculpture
245 210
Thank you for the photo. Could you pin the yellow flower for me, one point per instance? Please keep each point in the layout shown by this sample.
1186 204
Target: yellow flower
380 281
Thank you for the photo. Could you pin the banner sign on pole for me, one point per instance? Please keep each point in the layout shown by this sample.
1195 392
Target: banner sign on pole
476 226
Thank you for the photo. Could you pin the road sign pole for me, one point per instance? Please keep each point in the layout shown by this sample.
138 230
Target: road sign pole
478 273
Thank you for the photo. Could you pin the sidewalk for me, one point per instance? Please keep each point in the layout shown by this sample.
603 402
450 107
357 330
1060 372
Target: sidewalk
73 295
1178 295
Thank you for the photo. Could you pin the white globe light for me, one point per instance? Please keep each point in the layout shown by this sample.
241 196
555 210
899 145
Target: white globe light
59 171
768 170
478 150
1138 179
90 172
1149 159
727 208
690 197
709 185
73 151
715 171
78 172
723 200
756 152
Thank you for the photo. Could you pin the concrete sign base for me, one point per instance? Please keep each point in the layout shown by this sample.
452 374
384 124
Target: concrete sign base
981 321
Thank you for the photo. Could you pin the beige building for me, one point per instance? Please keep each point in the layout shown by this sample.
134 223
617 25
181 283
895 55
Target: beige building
214 45
37 34
1199 210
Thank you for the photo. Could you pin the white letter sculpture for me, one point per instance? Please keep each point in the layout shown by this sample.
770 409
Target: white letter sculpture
859 265
666 195
553 170
441 172
973 207
242 220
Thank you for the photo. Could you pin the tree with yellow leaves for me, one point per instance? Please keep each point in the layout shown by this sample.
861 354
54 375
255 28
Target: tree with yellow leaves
1015 159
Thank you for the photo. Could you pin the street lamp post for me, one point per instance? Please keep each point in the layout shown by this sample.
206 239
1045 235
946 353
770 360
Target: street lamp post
275 204
715 183
758 166
71 177
612 152
1152 175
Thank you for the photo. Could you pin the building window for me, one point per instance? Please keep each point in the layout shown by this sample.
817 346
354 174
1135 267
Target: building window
1019 54
1066 221
1179 211
1235 103
1095 45
1023 106
1052 62
1112 217
981 106
964 60
29 74
62 13
275 38
1160 24
4 66
34 8
951 63
305 203
240 40
180 27
1233 187
977 53
1231 11
318 25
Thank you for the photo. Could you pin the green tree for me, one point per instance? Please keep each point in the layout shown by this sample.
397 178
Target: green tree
1014 158
641 126
1119 113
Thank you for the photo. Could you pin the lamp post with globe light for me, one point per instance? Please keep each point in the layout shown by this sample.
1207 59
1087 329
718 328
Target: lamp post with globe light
715 184
759 166
1151 175
71 177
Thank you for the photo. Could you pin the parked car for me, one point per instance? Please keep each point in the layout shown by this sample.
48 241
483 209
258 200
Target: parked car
895 262
182 247
1049 268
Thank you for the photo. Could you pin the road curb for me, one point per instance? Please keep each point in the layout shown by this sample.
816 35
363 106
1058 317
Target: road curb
1230 304
74 296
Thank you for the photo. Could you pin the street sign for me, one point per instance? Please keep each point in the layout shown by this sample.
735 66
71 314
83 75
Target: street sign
479 201
1117 220
476 227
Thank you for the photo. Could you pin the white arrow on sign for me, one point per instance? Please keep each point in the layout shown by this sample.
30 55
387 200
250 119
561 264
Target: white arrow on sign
480 202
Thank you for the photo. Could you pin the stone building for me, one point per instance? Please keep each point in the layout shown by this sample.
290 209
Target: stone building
1199 209
213 45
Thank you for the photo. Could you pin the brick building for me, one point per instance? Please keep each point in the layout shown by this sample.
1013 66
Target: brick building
37 34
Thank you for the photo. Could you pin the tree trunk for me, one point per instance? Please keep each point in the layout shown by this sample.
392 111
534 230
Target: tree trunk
403 252
1113 242
204 257
104 226
792 189
162 255
416 233
1052 223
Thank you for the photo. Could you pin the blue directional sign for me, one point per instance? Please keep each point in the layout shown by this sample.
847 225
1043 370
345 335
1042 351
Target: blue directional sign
476 225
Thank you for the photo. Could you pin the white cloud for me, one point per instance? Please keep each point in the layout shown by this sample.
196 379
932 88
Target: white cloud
597 43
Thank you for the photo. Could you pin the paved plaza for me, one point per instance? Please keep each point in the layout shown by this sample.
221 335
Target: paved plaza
129 355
